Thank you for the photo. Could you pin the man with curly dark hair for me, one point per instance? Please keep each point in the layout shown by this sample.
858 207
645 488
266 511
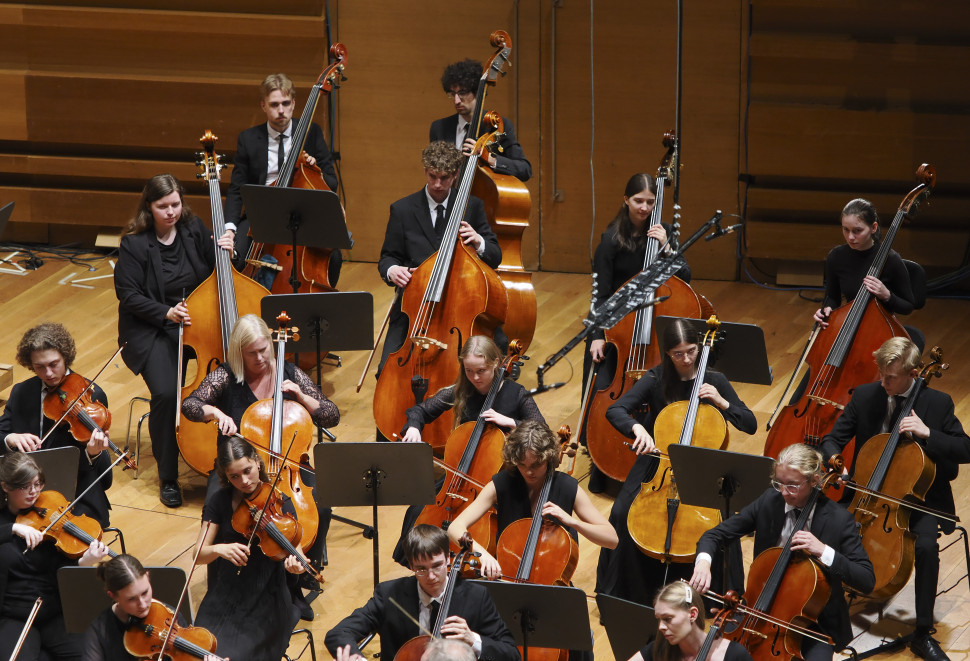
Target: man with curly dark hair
460 83
48 350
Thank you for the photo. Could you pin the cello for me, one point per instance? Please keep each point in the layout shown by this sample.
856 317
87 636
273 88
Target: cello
473 454
276 418
635 340
897 466
313 264
507 206
227 292
452 295
840 358
660 525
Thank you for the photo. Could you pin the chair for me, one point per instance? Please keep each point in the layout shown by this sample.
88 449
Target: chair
917 282
309 645
131 405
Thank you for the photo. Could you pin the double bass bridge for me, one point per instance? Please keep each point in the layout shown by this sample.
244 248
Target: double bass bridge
425 343
821 401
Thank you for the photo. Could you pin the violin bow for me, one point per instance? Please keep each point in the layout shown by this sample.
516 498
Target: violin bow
82 393
748 610
791 382
380 334
26 629
276 481
185 590
178 371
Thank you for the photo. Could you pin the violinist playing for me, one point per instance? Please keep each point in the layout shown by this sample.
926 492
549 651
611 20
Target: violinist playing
618 257
248 606
126 582
832 539
679 610
472 617
530 452
480 359
935 427
166 252
48 350
627 572
28 570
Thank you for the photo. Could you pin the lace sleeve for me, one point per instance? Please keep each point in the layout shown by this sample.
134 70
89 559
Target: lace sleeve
430 409
528 410
210 392
328 415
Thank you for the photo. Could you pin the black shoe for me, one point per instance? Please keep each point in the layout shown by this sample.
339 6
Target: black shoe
306 613
925 646
170 494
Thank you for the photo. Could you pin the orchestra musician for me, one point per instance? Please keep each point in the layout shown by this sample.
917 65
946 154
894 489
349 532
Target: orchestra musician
28 569
247 376
166 252
416 225
248 606
679 610
472 617
618 257
938 431
48 350
261 151
832 539
626 572
460 82
530 452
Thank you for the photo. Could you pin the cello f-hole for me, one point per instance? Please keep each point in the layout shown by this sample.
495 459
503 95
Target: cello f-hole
401 362
887 513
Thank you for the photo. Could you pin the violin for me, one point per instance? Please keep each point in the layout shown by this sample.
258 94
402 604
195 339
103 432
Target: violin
789 586
659 523
71 533
473 450
71 401
145 637
218 302
413 649
731 602
897 466
636 343
451 296
840 357
269 421
261 513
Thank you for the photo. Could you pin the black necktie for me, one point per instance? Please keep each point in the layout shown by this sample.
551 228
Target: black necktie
280 154
439 221
435 608
897 409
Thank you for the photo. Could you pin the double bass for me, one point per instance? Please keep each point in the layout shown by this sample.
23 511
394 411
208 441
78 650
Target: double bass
637 348
217 302
312 264
897 466
452 295
473 454
840 358
660 525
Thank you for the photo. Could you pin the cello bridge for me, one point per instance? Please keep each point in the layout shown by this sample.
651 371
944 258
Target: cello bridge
425 343
756 633
826 402
866 515
635 375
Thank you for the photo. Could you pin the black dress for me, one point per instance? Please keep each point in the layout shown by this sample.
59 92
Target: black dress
104 640
734 652
251 614
845 269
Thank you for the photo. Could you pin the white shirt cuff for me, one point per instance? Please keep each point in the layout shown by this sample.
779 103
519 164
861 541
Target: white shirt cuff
481 245
828 556
231 226
703 556
477 645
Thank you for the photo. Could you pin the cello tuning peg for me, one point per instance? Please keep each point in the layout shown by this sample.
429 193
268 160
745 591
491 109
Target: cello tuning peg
198 175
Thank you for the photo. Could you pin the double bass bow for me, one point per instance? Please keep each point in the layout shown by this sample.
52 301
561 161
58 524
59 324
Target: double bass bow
895 465
840 357
219 300
660 525
635 340
452 295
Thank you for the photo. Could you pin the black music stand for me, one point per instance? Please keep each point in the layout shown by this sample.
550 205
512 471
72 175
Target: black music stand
83 596
739 352
553 616
375 474
60 469
5 212
629 625
282 215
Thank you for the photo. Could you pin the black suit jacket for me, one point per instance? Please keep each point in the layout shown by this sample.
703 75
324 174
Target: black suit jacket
22 415
832 525
249 164
379 615
140 287
512 159
947 445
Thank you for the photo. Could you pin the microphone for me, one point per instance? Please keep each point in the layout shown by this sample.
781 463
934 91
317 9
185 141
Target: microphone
722 231
543 387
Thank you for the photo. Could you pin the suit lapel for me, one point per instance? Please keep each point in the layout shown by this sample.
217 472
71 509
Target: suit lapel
422 215
262 162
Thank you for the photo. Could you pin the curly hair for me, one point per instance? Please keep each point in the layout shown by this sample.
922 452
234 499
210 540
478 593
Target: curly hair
532 435
465 75
46 336
441 156
159 186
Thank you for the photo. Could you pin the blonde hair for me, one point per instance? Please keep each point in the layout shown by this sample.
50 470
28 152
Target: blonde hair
247 330
899 350
801 458
276 81
477 345
681 596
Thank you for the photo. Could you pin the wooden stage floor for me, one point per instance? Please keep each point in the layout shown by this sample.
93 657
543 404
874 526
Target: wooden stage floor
159 536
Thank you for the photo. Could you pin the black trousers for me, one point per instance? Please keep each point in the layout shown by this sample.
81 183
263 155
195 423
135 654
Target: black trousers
927 567
160 375
46 640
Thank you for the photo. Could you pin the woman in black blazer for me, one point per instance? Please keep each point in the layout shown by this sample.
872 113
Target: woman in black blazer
166 252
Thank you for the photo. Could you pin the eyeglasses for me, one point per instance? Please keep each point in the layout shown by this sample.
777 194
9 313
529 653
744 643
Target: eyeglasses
680 355
786 488
437 569
36 485
458 93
